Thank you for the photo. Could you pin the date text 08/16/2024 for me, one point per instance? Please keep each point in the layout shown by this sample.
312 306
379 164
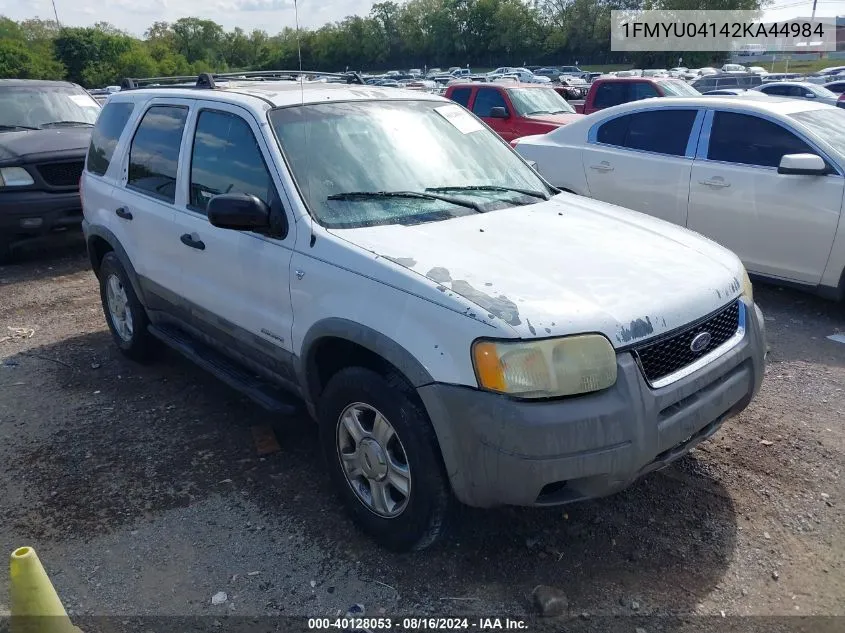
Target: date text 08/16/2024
417 624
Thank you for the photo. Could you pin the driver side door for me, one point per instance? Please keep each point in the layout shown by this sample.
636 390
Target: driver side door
235 284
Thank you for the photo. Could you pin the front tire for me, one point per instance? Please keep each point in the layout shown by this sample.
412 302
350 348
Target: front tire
383 458
124 313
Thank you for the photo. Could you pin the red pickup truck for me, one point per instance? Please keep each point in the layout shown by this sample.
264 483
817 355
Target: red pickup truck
604 93
514 111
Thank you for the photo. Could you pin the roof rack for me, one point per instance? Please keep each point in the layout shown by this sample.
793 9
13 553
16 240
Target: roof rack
208 81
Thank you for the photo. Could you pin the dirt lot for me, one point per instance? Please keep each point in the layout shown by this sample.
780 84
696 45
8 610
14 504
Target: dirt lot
142 491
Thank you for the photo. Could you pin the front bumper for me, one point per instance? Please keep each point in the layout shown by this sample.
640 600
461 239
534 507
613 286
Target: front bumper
501 451
25 214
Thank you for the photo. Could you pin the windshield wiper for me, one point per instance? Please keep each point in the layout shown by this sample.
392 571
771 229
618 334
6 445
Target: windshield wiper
524 192
17 127
67 123
370 195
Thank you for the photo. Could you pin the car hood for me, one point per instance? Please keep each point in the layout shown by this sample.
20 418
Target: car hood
565 266
25 145
555 119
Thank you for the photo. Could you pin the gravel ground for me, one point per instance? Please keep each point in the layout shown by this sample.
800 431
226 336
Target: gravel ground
141 489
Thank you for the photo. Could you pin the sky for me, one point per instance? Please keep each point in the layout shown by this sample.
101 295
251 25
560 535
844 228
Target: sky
135 16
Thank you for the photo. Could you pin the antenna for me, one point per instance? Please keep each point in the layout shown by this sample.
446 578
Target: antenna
59 24
298 49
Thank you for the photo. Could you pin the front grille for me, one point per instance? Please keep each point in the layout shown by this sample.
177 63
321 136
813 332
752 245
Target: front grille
65 174
672 353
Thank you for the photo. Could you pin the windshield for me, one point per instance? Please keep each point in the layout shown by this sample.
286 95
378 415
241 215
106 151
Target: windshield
678 89
397 146
528 101
38 106
827 124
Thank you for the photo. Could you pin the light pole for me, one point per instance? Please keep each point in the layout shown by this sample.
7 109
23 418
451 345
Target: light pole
56 13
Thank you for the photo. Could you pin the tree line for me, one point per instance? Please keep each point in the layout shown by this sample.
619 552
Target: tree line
416 33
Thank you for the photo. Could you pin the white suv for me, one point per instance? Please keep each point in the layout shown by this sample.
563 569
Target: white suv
458 328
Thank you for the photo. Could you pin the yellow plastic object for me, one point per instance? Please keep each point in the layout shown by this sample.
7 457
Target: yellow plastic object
35 606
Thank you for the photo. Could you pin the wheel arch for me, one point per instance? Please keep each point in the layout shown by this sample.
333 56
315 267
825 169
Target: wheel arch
99 241
335 343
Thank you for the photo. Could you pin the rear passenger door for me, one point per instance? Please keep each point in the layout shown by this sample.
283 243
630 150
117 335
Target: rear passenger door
149 175
235 283
643 160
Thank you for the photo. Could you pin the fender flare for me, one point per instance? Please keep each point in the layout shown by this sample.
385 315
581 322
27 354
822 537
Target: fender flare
368 338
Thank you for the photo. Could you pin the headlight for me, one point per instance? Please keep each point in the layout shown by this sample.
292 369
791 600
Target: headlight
15 177
747 289
544 369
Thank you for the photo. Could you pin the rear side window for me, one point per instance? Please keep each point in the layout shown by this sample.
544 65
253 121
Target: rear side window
486 99
775 90
750 140
611 94
154 155
660 131
614 131
106 134
461 95
226 159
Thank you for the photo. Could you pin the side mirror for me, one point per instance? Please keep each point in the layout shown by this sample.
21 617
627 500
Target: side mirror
239 212
802 165
809 95
498 113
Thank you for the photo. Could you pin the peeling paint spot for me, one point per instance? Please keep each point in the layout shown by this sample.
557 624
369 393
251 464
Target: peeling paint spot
491 316
548 331
407 262
499 306
553 323
441 288
639 328
664 322
530 327
718 293
488 283
439 274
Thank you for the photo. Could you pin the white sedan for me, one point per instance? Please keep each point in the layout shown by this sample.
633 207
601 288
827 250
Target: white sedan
764 177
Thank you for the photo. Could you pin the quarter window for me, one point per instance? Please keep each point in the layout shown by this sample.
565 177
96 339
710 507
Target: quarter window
106 134
226 159
486 99
750 140
154 154
610 94
461 95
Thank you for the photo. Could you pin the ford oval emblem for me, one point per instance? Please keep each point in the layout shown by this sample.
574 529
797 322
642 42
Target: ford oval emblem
700 342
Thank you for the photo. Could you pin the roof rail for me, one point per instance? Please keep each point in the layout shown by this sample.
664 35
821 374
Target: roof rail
208 81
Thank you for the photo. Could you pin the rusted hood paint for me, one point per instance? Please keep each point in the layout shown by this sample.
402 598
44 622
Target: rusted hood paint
566 266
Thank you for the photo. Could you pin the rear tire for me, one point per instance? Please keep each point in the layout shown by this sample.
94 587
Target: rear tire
395 490
124 313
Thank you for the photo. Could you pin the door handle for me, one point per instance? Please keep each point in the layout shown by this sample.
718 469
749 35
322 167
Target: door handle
602 166
717 183
188 240
123 212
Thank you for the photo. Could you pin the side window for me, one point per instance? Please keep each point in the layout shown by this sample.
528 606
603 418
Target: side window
610 94
774 90
750 140
614 131
461 95
642 90
486 99
154 154
106 134
226 159
662 131
797 91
